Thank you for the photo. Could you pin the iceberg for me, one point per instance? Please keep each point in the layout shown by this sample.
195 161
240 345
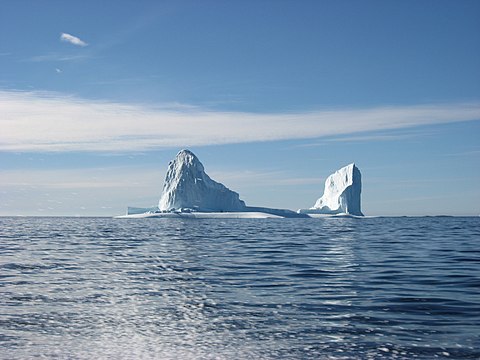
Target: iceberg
189 192
187 186
341 195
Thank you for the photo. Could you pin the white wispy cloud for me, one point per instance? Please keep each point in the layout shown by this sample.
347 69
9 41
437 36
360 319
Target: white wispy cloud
56 57
72 39
262 178
85 178
36 121
395 135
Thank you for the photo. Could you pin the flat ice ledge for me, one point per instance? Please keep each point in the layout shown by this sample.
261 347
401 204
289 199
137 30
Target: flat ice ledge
250 212
338 215
203 215
228 215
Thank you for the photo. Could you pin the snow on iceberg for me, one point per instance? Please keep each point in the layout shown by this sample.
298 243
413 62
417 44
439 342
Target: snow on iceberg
187 186
341 194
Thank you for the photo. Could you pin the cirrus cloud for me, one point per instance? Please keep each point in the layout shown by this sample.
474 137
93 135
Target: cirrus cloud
39 121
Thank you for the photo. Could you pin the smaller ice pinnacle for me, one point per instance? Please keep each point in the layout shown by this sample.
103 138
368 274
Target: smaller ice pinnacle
341 195
187 186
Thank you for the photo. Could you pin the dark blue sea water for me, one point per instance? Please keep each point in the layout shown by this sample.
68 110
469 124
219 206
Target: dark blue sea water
332 288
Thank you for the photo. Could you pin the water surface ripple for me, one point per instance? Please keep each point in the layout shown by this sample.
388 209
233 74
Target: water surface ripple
333 288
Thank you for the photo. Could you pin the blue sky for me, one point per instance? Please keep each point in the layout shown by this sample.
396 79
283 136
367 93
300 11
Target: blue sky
273 96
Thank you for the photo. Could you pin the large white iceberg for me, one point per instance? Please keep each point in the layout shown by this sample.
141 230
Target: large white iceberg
187 186
190 193
341 195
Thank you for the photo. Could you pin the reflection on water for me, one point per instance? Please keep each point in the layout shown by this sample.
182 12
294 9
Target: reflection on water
336 288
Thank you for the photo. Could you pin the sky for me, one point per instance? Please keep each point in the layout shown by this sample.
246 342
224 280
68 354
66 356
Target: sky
96 97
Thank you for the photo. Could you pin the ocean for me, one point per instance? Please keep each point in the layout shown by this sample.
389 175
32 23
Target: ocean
329 288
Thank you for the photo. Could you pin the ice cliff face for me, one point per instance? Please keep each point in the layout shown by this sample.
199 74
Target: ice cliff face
341 194
188 186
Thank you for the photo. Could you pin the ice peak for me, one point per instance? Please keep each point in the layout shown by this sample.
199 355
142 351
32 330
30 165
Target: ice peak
186 158
188 186
186 155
